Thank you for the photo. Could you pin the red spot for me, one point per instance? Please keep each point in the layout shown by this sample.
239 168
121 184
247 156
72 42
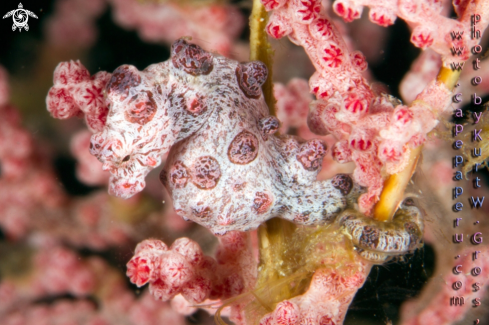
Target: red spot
333 56
124 78
61 104
70 73
361 143
356 103
272 4
341 152
422 39
307 10
390 153
321 93
142 108
262 202
348 14
139 270
197 290
358 60
179 174
326 320
403 115
382 19
202 212
191 58
205 173
233 285
97 118
196 105
321 28
286 313
243 149
251 76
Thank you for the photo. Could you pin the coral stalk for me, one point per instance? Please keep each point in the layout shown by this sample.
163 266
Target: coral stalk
395 185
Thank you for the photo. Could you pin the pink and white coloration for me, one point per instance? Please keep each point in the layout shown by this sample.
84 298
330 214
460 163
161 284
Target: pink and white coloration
57 271
373 130
292 108
431 29
214 26
423 70
88 169
226 172
183 269
292 104
325 302
73 23
434 307
33 201
28 186
75 93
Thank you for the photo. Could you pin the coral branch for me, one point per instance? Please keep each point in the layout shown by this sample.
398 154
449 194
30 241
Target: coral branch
183 269
430 28
373 130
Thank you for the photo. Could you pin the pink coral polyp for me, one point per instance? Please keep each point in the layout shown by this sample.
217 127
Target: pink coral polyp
332 56
72 72
61 104
307 10
347 10
321 29
273 4
75 93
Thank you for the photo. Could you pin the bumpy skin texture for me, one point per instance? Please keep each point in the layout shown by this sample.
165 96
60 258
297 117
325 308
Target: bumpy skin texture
225 170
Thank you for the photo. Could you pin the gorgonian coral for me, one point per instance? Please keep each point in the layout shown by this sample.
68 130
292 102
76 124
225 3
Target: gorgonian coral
373 130
227 168
227 171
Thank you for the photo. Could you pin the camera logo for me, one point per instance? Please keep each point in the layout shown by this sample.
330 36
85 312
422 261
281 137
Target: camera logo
20 17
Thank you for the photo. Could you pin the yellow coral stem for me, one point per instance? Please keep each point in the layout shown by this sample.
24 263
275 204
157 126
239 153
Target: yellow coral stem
448 77
274 234
261 50
395 185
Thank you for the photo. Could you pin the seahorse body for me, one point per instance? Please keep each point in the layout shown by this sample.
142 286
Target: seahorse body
226 170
